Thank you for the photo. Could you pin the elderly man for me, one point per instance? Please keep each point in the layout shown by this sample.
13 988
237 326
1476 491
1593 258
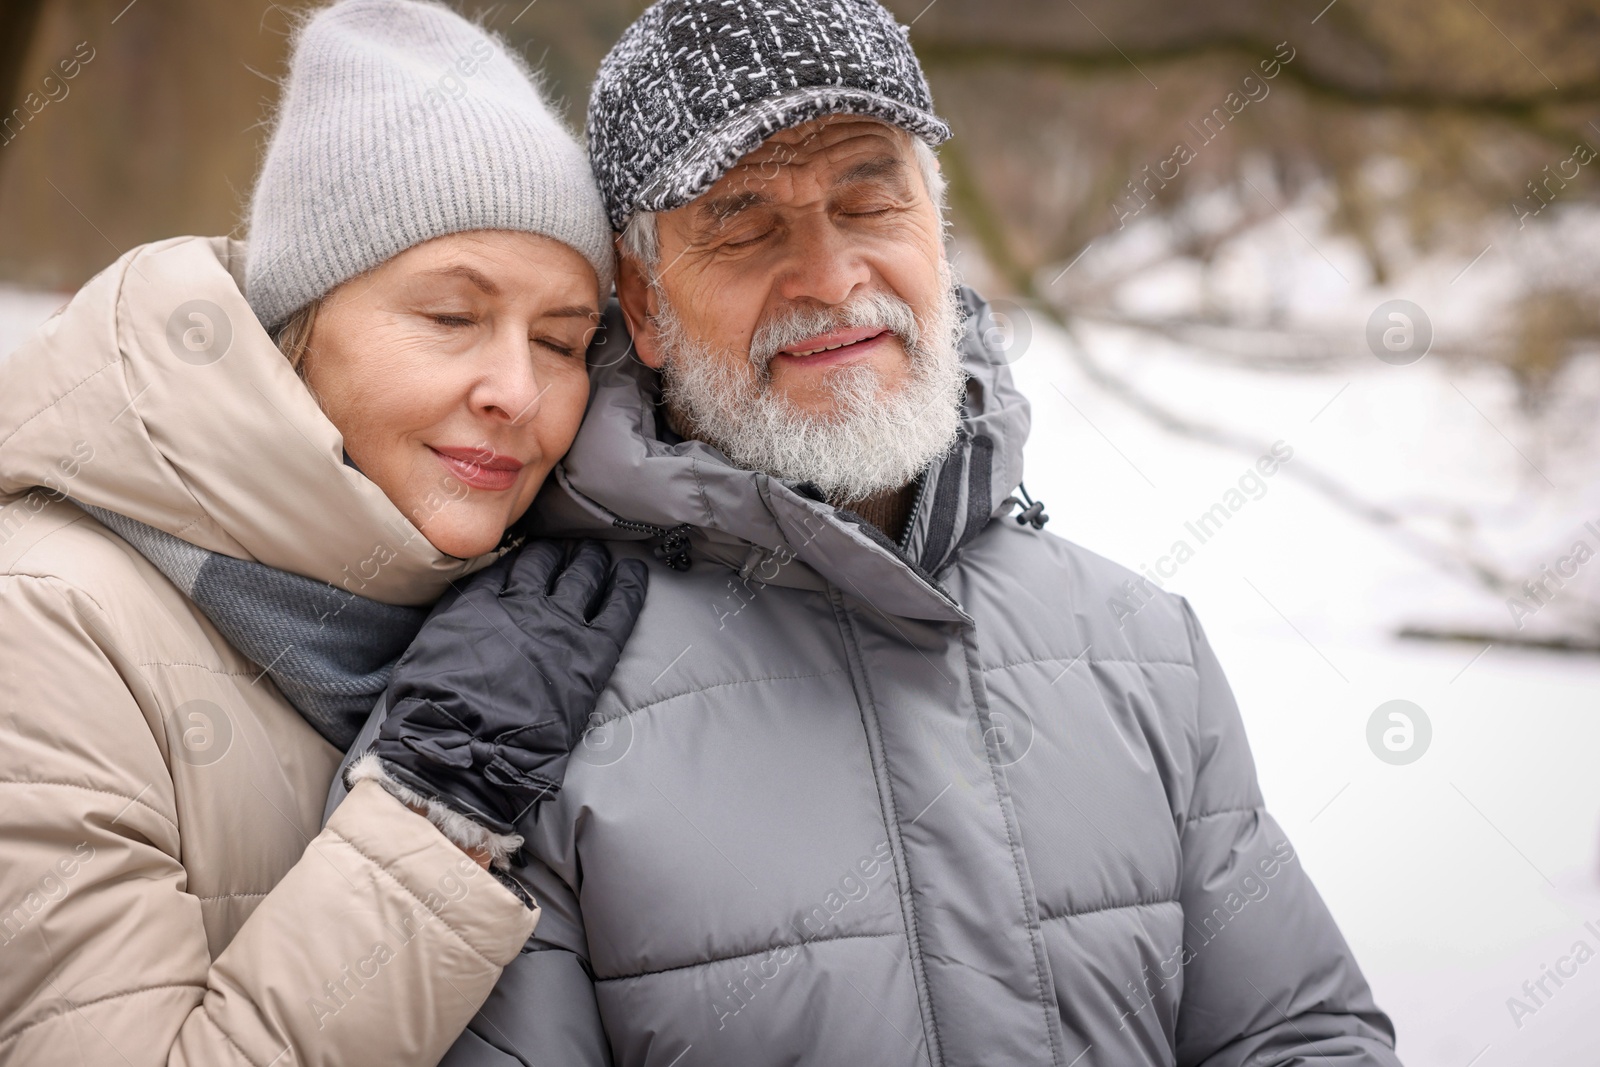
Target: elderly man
879 780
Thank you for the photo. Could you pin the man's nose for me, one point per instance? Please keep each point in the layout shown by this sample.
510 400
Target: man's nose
823 265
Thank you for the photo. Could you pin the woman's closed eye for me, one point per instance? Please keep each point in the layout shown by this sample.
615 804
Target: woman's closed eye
559 347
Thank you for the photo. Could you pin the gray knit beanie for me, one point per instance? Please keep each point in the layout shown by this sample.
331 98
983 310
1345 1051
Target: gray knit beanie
401 122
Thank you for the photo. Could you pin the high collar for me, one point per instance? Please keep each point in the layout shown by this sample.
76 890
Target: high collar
194 423
625 479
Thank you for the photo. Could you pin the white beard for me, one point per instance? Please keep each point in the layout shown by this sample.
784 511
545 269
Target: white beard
874 440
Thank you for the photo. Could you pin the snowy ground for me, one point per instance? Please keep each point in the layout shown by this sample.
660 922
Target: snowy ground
1458 877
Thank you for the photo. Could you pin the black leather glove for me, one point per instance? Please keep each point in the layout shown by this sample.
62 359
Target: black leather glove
487 703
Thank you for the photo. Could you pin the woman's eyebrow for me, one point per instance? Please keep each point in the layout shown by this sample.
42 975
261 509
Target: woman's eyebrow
461 270
572 311
482 281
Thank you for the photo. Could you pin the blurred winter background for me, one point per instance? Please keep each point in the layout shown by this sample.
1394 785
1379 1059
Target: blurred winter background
1196 219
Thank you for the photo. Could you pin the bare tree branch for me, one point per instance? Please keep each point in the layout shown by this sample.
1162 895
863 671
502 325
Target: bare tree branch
937 54
1460 562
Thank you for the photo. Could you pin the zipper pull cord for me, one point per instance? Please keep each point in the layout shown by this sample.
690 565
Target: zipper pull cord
674 547
1033 513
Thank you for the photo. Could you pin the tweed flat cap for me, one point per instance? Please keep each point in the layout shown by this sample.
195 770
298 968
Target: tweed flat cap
693 86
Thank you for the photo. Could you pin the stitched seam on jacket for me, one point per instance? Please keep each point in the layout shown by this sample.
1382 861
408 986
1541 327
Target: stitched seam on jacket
229 1038
90 789
700 484
1197 761
104 641
71 1007
919 973
1108 907
412 893
741 956
1224 811
723 685
220 671
1035 938
23 424
230 896
63 587
1090 662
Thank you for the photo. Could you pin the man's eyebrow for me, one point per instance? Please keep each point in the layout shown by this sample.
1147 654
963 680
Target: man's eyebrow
469 274
873 169
723 208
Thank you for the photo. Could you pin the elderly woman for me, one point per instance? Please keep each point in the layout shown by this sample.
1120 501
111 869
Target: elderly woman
231 482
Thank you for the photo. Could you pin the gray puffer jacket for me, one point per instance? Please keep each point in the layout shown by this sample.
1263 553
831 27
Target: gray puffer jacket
858 803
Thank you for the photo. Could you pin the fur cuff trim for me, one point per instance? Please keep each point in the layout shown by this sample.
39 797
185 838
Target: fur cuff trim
458 828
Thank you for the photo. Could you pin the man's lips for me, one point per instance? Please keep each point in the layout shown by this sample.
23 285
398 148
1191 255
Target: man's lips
835 346
480 468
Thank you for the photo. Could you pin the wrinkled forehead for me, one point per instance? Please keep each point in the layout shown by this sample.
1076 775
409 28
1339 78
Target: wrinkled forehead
821 153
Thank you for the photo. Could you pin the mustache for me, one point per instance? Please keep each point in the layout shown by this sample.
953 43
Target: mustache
875 311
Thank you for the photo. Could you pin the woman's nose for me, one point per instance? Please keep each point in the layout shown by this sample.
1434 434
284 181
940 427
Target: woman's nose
510 389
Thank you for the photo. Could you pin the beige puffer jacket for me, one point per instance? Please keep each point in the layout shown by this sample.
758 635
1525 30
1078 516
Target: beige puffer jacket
166 893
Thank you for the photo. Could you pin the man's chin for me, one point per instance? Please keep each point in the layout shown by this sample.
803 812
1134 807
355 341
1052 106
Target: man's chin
822 407
817 393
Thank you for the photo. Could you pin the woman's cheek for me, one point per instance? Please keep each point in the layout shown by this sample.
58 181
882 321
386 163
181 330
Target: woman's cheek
563 410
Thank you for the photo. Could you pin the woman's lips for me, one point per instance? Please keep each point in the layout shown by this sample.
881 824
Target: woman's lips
479 468
837 346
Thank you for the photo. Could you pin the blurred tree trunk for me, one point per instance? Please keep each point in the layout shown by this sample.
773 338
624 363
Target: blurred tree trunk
18 20
158 134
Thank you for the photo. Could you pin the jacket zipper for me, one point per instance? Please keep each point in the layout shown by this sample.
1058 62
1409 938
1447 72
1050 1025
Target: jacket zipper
673 549
911 516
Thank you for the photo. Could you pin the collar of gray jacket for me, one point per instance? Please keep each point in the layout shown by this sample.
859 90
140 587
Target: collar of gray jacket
623 480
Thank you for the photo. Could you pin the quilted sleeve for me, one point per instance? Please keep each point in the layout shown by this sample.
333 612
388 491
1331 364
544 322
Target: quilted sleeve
1267 977
375 947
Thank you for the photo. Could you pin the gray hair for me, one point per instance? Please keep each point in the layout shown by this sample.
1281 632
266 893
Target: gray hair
641 238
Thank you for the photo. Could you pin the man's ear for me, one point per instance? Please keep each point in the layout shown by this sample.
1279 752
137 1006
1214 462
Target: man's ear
638 302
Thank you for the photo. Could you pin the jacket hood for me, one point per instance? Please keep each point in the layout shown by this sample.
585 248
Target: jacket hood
622 475
156 394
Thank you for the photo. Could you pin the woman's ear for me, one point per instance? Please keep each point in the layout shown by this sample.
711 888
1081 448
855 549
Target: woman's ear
638 300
